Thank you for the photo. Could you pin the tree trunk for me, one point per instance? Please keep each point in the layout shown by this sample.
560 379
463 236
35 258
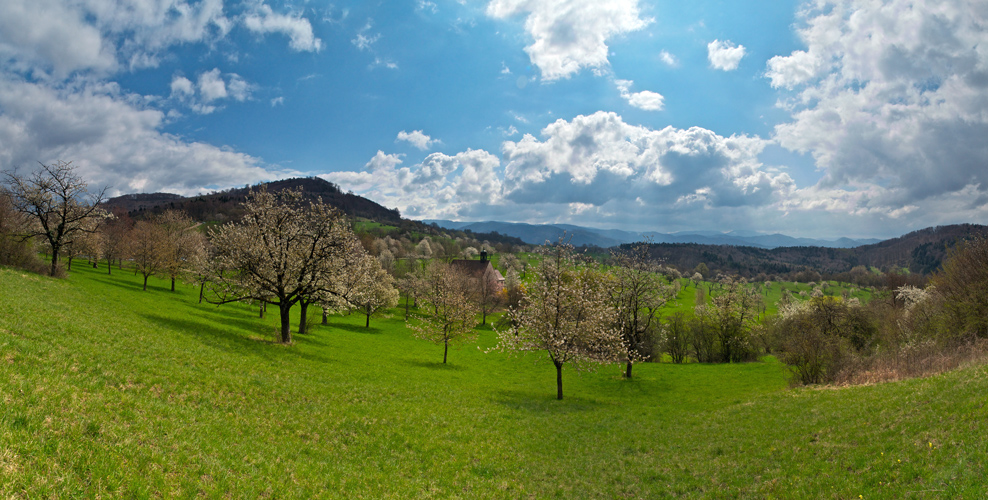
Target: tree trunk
54 261
173 283
69 267
260 310
559 379
367 312
145 283
202 289
325 317
484 322
286 325
109 266
627 373
301 322
445 349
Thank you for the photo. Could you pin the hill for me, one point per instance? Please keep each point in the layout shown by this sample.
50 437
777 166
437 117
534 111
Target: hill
920 252
115 393
223 206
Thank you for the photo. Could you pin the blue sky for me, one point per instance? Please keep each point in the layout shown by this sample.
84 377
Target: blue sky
822 119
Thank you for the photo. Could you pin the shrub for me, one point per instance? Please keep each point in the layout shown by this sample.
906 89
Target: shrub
819 337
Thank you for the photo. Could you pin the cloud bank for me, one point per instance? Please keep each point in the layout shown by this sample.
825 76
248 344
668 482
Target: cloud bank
891 100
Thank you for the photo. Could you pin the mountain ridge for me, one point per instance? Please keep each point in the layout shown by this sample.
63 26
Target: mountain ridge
536 234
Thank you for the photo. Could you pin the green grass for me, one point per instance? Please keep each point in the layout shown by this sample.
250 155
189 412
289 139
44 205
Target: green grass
108 391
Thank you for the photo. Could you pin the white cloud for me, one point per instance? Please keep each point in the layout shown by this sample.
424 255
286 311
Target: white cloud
182 86
383 62
440 186
669 59
891 101
417 138
54 35
277 101
298 29
594 165
363 41
112 140
724 55
101 37
599 159
505 70
210 86
646 99
795 69
425 5
569 35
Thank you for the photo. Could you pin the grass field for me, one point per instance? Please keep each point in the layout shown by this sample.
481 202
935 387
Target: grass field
108 391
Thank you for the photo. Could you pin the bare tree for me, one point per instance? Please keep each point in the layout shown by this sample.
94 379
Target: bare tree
144 247
58 201
280 253
566 313
487 291
180 243
638 294
735 310
453 315
115 233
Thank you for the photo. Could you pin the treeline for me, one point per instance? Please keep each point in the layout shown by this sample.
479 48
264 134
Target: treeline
919 252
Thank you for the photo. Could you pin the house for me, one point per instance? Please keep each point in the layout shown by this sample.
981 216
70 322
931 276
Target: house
477 269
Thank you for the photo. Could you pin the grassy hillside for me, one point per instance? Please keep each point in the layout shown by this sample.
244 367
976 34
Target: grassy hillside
108 391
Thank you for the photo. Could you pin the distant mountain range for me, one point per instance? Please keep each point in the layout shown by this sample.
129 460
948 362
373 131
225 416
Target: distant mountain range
536 234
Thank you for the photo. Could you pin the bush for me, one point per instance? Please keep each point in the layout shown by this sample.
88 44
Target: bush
963 284
819 337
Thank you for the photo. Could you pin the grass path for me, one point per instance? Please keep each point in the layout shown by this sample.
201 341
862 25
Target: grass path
110 391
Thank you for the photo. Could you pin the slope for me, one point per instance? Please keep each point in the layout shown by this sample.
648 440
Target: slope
115 393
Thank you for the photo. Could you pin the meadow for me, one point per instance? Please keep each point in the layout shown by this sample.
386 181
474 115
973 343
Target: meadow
108 391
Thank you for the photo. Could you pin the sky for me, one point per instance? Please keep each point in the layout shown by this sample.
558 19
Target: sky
857 118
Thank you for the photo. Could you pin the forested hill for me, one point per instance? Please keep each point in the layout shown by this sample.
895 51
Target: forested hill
223 206
920 251
227 205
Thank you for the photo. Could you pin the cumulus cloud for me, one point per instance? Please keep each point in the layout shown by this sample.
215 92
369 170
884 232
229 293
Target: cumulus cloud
599 158
298 29
724 55
210 86
112 140
894 121
417 138
440 186
646 99
594 167
569 35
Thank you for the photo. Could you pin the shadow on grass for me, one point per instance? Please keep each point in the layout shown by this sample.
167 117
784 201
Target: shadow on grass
232 340
544 402
129 285
435 365
372 330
